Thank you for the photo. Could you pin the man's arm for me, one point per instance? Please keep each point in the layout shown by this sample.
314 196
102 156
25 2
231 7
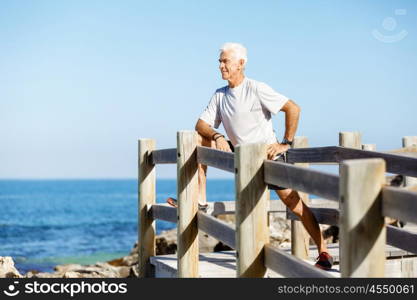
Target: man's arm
292 115
206 131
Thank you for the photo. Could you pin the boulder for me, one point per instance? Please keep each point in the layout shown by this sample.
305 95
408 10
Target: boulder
7 268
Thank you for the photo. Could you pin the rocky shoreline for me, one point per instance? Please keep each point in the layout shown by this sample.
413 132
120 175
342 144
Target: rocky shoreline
124 267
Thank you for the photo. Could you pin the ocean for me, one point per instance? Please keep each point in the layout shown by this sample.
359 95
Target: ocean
48 222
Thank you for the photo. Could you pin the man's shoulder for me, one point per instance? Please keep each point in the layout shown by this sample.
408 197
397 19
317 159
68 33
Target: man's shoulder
254 83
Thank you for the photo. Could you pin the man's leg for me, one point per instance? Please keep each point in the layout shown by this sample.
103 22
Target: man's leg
293 201
202 171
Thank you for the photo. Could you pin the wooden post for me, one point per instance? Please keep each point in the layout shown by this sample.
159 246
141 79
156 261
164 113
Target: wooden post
300 239
362 226
350 139
147 196
369 147
187 189
409 141
252 198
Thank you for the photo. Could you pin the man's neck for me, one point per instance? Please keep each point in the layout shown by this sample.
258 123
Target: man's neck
234 82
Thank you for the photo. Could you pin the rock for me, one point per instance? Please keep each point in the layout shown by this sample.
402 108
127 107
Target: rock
7 268
134 271
71 275
280 230
67 268
206 243
42 275
221 247
166 242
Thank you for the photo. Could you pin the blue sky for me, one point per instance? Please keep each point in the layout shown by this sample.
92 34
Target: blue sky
82 81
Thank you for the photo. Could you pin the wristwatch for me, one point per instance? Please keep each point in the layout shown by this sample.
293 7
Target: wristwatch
288 142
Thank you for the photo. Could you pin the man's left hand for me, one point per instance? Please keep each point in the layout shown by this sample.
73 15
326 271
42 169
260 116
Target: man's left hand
275 149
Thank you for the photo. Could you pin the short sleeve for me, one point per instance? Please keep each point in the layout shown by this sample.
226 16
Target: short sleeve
270 99
211 114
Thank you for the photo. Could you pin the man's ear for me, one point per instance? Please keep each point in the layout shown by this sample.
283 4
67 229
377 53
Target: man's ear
241 63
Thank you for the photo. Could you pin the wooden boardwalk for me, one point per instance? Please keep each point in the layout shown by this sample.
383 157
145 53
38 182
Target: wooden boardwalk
362 202
399 263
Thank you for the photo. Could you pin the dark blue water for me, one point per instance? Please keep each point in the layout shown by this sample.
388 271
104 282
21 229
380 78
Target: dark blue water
48 222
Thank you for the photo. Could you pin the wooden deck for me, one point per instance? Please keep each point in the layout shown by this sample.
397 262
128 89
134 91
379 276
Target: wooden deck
399 263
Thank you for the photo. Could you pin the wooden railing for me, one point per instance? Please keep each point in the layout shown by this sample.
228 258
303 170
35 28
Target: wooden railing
360 189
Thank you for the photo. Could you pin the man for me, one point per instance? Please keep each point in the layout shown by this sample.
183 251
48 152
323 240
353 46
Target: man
244 107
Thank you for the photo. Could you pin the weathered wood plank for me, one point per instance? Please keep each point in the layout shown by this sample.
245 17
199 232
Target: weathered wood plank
400 204
402 239
410 142
329 216
187 190
216 158
228 207
164 156
350 139
223 208
405 151
301 179
164 212
218 229
312 155
362 226
394 163
369 147
300 239
289 266
147 197
252 197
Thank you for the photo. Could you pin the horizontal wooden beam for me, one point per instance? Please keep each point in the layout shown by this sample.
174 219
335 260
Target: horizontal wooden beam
164 212
290 266
215 158
397 164
312 155
228 207
402 239
302 179
400 204
164 156
401 161
328 216
224 208
217 229
406 151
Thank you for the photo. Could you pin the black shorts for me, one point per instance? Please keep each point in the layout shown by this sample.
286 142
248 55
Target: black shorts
279 158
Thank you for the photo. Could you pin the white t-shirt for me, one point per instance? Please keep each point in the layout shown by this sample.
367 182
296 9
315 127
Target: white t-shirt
245 111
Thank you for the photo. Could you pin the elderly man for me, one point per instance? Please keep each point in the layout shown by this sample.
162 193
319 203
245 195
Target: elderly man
244 107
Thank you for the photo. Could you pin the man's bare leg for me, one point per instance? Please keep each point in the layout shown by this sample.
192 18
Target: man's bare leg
293 201
202 171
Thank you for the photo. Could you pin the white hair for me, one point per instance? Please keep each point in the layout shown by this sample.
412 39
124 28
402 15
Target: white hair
238 49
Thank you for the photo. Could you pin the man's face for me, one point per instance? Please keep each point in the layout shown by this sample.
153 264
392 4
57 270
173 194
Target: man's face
229 65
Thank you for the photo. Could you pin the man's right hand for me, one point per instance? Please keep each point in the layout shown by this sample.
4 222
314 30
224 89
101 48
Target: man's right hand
222 144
